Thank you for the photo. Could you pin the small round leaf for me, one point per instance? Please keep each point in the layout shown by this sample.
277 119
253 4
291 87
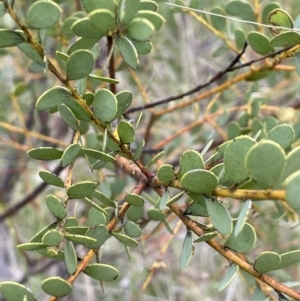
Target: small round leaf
56 206
264 163
266 261
125 132
13 291
56 286
51 178
132 229
199 181
166 173
283 134
134 200
259 43
140 29
81 189
102 272
80 64
52 238
105 105
43 14
70 154
190 160
244 241
103 19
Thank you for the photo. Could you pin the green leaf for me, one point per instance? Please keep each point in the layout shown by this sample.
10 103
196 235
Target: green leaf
148 5
51 178
2 9
56 286
80 64
71 221
125 240
13 291
199 181
128 51
259 43
132 229
103 20
190 160
102 272
219 216
218 23
242 217
155 159
196 209
142 47
206 237
9 38
52 253
288 259
105 105
166 173
266 261
80 230
31 53
156 19
45 153
258 75
43 14
134 200
84 28
90 5
103 79
228 277
264 163
292 191
139 150
38 236
240 9
267 9
164 200
234 159
103 199
244 241
99 233
53 97
155 214
31 246
81 189
125 132
82 43
285 39
52 238
127 10
140 29
70 154
82 239
240 38
56 206
70 257
68 116
282 134
96 217
281 18
292 164
135 213
186 251
218 155
97 154
175 198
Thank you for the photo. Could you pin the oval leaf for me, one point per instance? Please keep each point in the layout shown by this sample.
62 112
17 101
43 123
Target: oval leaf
199 181
244 241
266 261
80 64
105 105
70 154
134 200
190 160
56 286
70 257
51 178
12 291
81 189
125 132
264 163
219 216
68 117
99 233
282 134
45 153
128 52
56 206
43 14
102 272
140 29
125 240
